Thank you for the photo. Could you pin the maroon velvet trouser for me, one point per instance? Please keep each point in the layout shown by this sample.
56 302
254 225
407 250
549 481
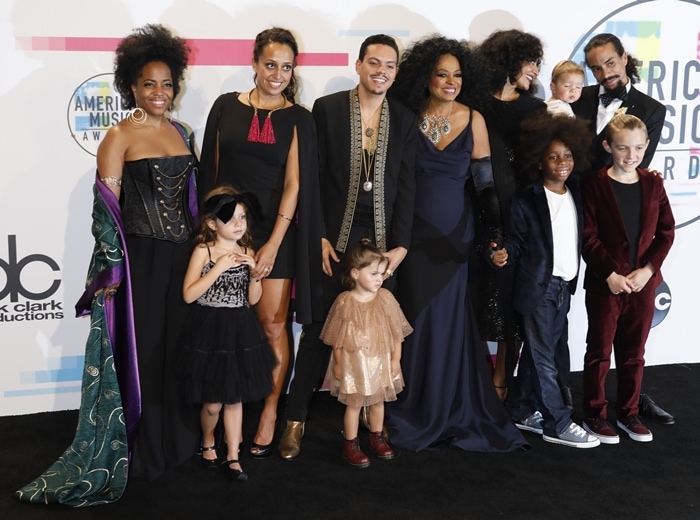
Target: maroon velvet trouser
622 321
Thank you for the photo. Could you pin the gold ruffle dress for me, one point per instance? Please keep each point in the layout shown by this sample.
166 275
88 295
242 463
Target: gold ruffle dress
368 332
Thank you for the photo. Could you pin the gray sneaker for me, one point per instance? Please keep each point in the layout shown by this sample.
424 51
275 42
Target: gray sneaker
574 436
531 423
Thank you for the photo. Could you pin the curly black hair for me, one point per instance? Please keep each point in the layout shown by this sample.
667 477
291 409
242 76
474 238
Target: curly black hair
152 42
600 40
417 65
284 37
501 57
538 131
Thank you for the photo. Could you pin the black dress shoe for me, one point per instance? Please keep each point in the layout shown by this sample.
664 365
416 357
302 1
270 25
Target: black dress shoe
650 410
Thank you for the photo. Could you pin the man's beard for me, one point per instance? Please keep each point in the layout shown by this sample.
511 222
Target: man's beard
617 88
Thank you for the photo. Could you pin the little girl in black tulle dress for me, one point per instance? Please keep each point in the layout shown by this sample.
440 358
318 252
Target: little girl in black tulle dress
365 327
226 359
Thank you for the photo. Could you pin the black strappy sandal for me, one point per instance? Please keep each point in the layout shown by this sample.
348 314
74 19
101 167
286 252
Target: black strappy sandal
209 463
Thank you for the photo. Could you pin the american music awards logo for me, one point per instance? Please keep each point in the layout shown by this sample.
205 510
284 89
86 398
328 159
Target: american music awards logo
664 36
30 282
94 108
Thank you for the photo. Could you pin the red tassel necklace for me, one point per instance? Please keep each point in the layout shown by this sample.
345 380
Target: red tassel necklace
267 134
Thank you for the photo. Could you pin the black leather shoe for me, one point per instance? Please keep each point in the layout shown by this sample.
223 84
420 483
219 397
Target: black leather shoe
650 410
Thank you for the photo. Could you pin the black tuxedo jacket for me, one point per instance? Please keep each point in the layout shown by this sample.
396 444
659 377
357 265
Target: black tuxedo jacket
638 104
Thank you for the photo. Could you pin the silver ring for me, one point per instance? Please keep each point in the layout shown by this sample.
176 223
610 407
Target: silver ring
267 269
111 292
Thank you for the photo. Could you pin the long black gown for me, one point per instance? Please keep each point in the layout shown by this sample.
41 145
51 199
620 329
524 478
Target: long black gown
449 398
169 429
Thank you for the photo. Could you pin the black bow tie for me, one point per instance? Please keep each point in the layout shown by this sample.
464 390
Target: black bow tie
607 96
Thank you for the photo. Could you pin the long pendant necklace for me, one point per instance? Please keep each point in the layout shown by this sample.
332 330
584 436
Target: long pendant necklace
367 163
368 153
434 127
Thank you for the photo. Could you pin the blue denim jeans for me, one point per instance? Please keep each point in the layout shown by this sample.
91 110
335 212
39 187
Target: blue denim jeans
537 387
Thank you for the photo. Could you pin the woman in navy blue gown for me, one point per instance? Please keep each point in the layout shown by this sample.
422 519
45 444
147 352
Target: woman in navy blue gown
449 398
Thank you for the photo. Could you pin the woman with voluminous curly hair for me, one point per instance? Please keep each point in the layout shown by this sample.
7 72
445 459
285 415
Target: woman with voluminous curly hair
449 399
133 419
508 62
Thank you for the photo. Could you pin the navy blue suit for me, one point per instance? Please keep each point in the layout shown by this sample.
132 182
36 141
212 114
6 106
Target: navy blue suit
529 242
543 300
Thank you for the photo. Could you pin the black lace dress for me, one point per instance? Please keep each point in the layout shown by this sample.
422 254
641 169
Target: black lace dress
226 358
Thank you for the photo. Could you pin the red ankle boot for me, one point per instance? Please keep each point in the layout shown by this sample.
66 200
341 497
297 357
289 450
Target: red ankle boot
353 453
378 443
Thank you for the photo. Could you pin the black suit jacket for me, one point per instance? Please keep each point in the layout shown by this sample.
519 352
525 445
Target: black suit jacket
530 243
332 114
638 104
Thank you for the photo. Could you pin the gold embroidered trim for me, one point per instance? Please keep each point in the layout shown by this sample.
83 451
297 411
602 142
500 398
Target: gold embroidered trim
356 173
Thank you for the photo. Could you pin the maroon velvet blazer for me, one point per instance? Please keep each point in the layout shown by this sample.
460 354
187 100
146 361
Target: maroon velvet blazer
605 242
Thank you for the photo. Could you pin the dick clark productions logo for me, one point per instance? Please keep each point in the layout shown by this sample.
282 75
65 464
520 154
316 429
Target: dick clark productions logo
34 306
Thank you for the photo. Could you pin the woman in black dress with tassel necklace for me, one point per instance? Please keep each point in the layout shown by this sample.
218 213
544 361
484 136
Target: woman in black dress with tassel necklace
263 143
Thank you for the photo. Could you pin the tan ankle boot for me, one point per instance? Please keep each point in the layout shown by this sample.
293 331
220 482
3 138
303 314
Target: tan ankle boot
290 442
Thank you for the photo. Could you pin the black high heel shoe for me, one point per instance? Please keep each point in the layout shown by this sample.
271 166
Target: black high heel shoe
209 463
259 451
235 473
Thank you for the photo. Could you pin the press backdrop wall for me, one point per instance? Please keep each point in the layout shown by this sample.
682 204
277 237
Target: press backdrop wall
57 101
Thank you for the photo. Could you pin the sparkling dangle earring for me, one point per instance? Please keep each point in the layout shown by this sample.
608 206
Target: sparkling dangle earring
170 109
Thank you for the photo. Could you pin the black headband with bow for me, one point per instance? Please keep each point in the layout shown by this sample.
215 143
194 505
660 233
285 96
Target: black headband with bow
224 205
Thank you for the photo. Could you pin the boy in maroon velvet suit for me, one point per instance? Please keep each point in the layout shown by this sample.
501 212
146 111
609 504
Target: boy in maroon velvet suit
628 231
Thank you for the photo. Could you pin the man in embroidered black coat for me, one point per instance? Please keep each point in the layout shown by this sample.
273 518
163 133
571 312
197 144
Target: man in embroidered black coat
383 213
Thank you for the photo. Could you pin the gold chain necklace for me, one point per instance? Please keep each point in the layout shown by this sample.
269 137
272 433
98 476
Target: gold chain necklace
367 163
369 152
369 130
